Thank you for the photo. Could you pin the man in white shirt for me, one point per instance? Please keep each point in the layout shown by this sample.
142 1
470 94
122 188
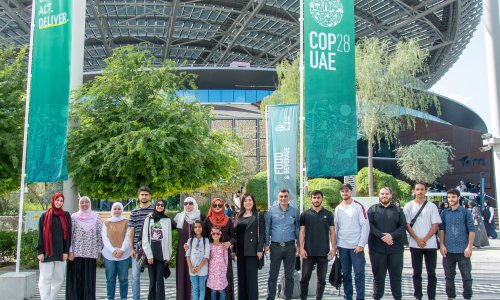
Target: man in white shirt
422 228
352 229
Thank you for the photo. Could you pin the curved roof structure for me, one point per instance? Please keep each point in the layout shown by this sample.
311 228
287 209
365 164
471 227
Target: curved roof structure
260 32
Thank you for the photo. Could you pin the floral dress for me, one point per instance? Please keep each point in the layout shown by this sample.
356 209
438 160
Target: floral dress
217 268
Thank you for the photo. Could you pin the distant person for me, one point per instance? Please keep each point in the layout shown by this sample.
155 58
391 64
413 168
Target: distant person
104 205
480 237
456 233
462 187
422 223
228 211
237 200
489 219
54 239
352 229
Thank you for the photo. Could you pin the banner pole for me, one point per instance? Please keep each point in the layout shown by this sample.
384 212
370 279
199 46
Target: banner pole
25 140
268 152
301 107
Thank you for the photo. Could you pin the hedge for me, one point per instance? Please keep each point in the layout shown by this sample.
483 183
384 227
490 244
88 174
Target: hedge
257 186
330 189
401 189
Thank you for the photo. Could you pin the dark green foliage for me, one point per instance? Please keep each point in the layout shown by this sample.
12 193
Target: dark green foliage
257 186
7 245
12 102
330 189
175 240
29 241
132 129
401 190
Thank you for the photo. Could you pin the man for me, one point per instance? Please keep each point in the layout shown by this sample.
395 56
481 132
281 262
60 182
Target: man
456 233
422 223
387 226
317 234
237 201
462 187
352 229
282 234
489 220
137 217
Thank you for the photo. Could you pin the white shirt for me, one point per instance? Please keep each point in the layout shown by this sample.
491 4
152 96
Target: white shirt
351 225
424 222
107 250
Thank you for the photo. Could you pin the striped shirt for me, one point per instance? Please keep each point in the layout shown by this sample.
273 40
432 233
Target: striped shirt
137 217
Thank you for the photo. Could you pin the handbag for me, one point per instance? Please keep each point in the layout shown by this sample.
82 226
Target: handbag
260 262
335 278
141 258
166 272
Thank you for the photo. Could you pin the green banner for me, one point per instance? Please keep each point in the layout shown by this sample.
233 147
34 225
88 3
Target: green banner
282 135
50 91
330 88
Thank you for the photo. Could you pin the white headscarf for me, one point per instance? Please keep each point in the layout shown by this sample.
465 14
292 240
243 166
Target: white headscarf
87 219
190 217
113 218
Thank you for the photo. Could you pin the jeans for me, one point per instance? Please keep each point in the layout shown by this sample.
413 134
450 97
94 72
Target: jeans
430 256
222 294
198 287
465 267
350 260
136 280
307 268
381 263
116 268
287 254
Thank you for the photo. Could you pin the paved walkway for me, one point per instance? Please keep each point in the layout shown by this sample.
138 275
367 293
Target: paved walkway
485 270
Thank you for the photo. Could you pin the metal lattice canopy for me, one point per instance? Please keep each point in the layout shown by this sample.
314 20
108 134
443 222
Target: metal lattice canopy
260 32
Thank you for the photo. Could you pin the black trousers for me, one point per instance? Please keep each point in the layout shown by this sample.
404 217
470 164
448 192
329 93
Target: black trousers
449 265
248 285
81 279
307 268
381 263
156 280
417 257
287 254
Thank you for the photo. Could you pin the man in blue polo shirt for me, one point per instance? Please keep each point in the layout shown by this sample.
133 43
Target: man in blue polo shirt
282 234
456 233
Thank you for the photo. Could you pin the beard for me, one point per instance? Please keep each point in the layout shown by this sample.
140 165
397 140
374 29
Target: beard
385 201
316 204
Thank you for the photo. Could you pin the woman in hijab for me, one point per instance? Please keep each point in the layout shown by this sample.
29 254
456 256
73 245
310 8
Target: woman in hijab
183 222
217 217
157 243
86 245
481 237
116 251
54 240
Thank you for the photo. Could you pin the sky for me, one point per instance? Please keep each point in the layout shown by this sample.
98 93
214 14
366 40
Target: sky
466 81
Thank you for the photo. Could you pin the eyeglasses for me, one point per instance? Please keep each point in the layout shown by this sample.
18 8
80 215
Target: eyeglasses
216 233
217 206
188 203
160 205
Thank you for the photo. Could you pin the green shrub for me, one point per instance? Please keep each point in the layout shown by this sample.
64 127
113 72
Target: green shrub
175 239
29 241
329 188
8 245
401 189
257 186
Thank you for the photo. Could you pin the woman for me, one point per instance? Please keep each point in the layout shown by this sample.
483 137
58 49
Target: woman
116 251
86 245
249 247
481 237
54 239
183 221
157 243
216 217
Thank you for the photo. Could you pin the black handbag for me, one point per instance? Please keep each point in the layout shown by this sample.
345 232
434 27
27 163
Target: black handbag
166 272
335 278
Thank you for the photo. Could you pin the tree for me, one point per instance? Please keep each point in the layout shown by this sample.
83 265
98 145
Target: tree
12 101
132 129
388 93
425 160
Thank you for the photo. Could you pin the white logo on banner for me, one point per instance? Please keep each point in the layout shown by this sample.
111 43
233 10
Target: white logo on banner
327 13
287 124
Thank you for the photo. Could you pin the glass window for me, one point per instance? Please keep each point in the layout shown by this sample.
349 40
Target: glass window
214 96
227 96
251 96
239 96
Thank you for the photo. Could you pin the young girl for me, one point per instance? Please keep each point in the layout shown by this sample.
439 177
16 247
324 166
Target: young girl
197 257
217 266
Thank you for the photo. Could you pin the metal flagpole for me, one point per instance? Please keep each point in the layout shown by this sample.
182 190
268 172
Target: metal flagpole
301 108
25 140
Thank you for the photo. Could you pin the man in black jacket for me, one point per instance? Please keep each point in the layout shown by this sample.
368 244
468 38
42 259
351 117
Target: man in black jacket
387 226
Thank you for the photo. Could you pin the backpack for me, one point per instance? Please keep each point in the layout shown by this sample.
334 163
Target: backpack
296 286
335 278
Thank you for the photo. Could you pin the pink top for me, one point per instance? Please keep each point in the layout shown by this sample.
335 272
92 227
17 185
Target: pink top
217 268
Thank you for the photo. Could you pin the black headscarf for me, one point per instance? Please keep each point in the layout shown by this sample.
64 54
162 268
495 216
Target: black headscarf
159 215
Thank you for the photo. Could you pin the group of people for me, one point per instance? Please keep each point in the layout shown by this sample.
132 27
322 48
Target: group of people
208 245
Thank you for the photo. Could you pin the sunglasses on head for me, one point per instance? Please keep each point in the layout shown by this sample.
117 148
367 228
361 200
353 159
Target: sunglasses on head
217 205
188 203
160 204
216 233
